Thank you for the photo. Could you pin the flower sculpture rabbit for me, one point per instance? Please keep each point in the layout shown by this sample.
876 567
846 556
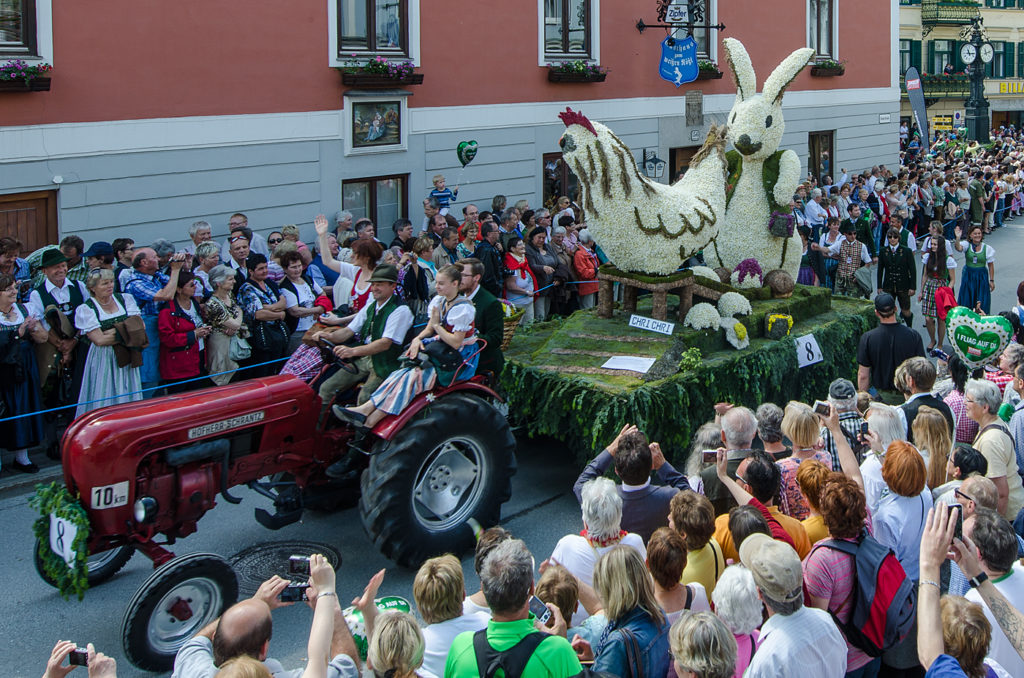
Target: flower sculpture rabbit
644 226
761 177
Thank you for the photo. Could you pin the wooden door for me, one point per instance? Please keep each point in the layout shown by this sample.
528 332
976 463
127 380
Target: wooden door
31 218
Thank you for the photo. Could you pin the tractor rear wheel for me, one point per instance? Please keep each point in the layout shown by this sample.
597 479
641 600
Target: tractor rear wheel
99 567
180 598
440 479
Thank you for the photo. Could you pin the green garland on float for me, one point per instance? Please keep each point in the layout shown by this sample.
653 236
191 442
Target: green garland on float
586 417
55 499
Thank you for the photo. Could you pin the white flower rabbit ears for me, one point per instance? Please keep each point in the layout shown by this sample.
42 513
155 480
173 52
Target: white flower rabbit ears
776 83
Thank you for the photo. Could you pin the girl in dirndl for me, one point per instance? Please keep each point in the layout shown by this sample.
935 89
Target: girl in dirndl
938 269
103 382
19 375
452 319
979 279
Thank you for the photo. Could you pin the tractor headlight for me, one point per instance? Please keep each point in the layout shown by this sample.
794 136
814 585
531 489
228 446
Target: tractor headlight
145 509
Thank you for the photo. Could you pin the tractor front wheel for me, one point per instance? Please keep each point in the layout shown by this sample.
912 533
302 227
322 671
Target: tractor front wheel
176 602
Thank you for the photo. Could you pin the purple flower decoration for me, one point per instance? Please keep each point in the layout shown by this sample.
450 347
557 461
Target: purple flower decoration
749 267
781 224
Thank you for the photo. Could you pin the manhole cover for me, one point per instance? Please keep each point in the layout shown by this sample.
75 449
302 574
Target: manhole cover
259 563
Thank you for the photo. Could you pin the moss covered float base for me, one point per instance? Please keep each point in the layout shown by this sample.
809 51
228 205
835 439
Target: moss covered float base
556 386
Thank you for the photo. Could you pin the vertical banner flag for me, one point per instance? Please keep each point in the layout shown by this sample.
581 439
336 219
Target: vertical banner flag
678 60
915 93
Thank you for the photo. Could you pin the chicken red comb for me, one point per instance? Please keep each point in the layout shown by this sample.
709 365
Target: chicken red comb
571 117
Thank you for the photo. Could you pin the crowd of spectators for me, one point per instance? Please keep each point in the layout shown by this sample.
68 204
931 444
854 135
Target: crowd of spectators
114 323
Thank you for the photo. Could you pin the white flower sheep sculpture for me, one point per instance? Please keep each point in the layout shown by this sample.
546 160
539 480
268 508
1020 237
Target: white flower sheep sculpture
765 177
644 226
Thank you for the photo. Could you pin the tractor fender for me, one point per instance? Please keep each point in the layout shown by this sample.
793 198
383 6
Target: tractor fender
388 427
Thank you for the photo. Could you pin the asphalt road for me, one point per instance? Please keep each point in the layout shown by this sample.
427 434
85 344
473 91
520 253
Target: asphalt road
34 617
541 510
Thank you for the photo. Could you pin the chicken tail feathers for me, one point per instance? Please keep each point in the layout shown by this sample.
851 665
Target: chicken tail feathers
714 143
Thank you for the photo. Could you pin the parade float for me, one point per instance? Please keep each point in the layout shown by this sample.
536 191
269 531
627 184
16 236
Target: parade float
667 342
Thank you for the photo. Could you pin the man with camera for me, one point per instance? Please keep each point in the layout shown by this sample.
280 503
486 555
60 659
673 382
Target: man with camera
245 629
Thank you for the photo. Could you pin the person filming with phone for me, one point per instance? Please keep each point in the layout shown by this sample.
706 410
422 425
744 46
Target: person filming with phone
245 629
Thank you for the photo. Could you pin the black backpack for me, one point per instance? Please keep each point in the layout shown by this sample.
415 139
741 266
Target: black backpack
513 661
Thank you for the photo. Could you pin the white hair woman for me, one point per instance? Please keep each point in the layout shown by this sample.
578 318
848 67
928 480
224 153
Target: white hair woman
982 400
739 608
623 584
884 428
702 647
103 381
226 319
208 256
602 515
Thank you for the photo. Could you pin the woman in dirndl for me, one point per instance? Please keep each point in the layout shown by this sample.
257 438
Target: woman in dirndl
979 278
938 269
104 382
451 320
19 375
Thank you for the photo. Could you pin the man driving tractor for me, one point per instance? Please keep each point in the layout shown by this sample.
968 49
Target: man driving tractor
380 328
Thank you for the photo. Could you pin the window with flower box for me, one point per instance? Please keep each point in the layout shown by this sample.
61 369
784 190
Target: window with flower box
373 27
18 28
821 29
567 28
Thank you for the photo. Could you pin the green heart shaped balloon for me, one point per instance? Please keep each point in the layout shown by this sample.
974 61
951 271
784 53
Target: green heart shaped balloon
977 339
466 151
357 625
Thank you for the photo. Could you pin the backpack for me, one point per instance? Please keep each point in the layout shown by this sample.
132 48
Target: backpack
884 598
513 661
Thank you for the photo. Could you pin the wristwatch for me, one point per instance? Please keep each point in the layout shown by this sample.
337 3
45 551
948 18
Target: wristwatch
975 582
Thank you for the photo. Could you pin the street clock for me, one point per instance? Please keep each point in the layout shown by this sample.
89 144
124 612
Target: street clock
987 52
968 53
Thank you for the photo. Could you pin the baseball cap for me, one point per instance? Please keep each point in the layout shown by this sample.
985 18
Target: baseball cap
841 389
775 566
885 303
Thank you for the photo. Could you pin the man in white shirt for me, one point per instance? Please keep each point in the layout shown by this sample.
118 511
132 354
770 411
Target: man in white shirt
997 552
815 213
439 589
796 640
380 328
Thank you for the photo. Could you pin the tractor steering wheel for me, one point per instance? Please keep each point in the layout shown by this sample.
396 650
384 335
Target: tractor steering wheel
327 351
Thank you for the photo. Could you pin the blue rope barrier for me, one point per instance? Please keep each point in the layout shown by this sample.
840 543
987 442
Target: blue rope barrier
145 390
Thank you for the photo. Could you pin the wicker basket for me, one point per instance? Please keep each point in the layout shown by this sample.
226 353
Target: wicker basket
511 323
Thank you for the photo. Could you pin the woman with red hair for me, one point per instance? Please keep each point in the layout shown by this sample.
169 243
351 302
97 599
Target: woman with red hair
899 522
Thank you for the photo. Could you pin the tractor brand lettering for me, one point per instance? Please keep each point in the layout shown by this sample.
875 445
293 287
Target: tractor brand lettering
110 496
225 425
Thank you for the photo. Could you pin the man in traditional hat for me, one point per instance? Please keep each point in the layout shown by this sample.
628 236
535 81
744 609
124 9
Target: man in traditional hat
55 299
380 330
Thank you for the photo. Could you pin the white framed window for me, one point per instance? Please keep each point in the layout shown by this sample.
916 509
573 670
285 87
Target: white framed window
569 30
26 30
821 29
359 29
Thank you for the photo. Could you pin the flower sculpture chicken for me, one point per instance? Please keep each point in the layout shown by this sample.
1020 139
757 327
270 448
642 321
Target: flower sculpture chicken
644 226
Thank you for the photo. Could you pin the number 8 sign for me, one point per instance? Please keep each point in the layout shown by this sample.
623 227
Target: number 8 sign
807 350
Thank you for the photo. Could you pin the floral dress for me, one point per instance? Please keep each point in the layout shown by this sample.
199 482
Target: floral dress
791 500
222 315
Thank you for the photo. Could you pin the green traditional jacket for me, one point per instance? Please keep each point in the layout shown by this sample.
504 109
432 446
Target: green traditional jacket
385 362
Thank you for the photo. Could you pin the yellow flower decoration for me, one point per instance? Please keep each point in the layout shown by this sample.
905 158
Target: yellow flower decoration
741 331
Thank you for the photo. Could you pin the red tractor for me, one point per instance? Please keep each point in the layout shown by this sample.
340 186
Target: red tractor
146 472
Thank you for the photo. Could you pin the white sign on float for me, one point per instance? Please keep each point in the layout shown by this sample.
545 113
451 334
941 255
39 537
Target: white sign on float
807 350
633 363
645 323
